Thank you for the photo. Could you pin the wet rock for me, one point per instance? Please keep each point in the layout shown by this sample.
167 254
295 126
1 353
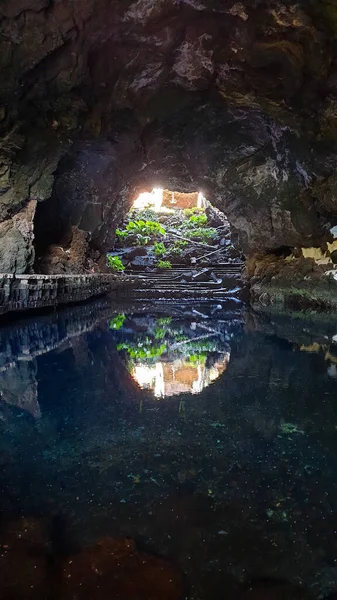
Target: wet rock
203 275
116 569
141 262
131 253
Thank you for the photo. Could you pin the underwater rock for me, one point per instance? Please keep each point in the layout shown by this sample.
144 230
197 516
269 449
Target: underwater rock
23 561
270 589
116 569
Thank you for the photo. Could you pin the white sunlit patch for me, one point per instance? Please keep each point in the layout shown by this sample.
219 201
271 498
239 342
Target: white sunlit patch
152 200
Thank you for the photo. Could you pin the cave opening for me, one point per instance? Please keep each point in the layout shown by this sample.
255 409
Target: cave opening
166 230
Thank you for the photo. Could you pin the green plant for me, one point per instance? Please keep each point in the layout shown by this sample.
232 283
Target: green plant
197 220
159 249
165 321
203 233
159 333
141 350
196 359
164 264
121 234
115 263
145 228
188 212
117 322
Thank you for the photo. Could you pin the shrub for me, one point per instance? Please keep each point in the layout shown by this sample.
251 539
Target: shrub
117 322
197 220
115 263
180 243
164 264
121 233
159 249
203 233
142 229
145 228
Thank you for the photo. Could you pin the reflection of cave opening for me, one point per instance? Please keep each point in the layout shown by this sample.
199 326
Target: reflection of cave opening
172 355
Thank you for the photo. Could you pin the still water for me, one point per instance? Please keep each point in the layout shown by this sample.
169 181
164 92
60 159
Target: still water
207 435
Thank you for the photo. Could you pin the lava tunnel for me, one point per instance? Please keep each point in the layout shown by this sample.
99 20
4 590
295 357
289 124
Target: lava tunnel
235 99
168 212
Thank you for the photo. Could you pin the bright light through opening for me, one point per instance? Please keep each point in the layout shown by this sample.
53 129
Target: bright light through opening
152 199
161 200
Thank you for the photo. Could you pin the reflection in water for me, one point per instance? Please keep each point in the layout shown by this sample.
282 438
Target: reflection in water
173 356
177 377
232 483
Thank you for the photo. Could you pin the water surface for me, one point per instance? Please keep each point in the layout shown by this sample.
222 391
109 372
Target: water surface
207 435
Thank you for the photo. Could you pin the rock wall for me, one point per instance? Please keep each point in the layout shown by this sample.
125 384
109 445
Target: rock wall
23 292
100 99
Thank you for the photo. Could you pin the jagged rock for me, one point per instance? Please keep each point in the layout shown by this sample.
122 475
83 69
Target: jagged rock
16 241
203 275
142 261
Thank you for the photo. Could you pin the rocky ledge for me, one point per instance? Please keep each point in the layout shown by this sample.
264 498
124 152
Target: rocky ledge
24 292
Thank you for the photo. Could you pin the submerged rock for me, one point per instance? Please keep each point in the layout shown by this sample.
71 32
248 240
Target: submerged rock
116 569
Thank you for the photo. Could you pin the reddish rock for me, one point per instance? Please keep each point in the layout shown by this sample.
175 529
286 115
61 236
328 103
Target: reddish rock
115 569
23 561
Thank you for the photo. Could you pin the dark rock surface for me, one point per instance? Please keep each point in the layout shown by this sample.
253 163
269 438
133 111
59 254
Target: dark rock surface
101 99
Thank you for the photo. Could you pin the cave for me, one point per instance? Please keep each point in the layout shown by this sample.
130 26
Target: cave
168 383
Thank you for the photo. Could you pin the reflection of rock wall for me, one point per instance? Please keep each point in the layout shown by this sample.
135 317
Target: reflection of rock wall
25 341
18 387
21 344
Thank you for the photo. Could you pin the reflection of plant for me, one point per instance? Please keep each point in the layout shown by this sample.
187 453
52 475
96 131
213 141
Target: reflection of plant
117 322
290 428
115 263
165 321
196 359
143 349
164 264
159 333
159 249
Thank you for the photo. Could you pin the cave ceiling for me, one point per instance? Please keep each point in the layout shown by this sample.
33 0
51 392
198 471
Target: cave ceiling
102 98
